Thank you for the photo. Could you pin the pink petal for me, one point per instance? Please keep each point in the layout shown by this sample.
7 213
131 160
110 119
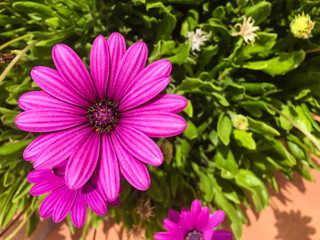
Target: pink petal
154 124
167 236
60 146
64 205
79 209
117 49
135 172
186 222
48 204
38 100
143 92
131 64
114 203
74 72
203 219
48 120
51 81
215 219
172 227
47 185
38 176
95 201
108 176
35 147
218 235
139 145
196 208
171 103
174 216
83 162
99 65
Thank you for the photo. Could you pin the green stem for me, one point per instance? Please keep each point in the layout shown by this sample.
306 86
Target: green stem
20 226
14 40
15 60
297 126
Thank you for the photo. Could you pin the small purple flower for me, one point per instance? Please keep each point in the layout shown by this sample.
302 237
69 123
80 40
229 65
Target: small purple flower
62 200
194 225
101 121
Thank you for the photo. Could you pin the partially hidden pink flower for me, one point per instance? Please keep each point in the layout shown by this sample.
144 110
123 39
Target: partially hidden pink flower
101 121
196 224
62 200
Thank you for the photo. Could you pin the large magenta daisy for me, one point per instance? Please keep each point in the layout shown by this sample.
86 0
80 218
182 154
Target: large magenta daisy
194 225
103 120
62 200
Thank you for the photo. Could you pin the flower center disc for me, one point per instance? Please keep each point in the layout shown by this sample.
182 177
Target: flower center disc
194 235
103 116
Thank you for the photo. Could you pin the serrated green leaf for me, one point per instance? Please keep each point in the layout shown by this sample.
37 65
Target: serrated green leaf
244 139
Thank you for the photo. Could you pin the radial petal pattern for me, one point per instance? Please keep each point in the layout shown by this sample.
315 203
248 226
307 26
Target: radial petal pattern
197 224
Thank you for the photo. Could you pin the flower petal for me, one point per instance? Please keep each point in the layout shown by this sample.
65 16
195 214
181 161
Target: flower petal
108 175
131 64
196 208
139 145
60 146
117 48
51 81
203 219
171 103
35 147
99 65
174 216
37 176
64 205
95 201
154 124
215 219
48 204
48 121
38 100
167 236
172 227
218 235
47 185
135 172
186 222
142 93
79 209
83 162
74 72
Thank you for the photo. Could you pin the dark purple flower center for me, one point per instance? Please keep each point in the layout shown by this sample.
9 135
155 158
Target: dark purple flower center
103 116
194 235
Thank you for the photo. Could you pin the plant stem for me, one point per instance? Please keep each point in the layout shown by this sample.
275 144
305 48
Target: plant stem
313 50
296 125
14 220
20 226
14 40
15 60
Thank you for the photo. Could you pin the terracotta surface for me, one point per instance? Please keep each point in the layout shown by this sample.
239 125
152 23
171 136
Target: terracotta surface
293 214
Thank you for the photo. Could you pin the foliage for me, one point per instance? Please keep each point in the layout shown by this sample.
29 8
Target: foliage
274 83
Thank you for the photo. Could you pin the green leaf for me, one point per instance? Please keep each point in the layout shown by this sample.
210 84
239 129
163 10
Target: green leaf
189 109
182 54
279 65
190 22
32 223
224 128
244 139
259 12
32 7
10 148
225 161
191 131
206 186
262 127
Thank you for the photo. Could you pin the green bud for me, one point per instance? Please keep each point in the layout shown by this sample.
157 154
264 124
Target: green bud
239 122
301 26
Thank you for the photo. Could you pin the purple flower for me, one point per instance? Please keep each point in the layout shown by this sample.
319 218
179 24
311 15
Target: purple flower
101 121
62 200
194 225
